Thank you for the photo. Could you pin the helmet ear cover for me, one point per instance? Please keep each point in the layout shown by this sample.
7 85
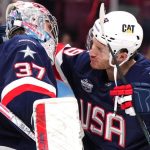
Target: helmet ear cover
122 31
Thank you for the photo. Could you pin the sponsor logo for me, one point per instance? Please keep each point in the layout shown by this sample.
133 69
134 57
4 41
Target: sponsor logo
106 20
128 28
86 85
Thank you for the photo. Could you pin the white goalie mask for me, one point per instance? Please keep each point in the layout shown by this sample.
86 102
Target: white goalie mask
31 17
122 31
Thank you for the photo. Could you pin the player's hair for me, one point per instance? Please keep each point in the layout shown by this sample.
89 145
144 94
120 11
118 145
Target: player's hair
125 50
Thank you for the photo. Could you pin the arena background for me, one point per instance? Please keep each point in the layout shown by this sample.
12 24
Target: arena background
75 17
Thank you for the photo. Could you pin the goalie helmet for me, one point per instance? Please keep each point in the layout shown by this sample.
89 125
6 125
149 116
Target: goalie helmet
121 30
32 17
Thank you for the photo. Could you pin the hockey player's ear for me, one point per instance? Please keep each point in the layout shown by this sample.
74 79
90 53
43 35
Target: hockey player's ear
122 55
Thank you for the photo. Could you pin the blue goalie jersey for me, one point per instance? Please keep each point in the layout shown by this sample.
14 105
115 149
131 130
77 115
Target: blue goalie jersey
91 87
25 75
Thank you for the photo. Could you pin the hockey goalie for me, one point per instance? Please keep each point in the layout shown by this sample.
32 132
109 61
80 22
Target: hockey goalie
32 117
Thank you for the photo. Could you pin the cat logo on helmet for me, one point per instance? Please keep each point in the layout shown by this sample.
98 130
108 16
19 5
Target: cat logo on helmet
128 28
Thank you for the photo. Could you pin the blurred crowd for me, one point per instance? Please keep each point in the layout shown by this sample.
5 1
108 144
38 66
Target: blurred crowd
75 17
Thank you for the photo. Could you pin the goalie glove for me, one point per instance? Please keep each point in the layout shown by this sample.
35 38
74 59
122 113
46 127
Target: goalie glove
123 97
57 124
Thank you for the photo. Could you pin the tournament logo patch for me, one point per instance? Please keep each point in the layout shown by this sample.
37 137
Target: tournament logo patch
86 85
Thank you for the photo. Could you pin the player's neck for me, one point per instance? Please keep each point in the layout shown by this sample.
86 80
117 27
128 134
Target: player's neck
124 69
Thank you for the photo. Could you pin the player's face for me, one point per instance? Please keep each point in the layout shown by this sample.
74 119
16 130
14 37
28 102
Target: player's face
47 26
99 55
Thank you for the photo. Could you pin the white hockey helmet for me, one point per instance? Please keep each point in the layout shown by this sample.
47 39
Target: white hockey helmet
122 31
32 17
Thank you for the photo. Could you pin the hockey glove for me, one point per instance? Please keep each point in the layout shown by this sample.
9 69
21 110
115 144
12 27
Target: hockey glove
123 97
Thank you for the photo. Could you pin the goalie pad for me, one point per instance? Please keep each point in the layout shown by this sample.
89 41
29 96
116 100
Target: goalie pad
6 148
57 124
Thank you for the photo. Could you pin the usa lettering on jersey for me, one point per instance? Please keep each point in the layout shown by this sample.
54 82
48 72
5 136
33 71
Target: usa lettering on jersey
103 123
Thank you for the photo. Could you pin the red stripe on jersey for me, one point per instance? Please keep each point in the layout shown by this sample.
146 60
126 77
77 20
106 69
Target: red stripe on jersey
41 127
59 47
57 75
25 88
126 105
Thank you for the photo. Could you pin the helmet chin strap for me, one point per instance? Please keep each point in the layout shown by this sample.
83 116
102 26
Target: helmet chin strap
115 67
116 97
115 72
115 75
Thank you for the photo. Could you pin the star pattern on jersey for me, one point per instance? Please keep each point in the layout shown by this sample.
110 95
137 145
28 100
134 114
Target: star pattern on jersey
28 52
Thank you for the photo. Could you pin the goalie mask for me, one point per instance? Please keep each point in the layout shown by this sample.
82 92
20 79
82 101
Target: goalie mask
121 30
31 17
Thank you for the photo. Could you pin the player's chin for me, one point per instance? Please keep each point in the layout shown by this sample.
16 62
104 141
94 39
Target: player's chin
97 66
94 65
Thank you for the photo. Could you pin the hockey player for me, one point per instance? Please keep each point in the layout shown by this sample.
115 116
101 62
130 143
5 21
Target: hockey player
26 72
93 75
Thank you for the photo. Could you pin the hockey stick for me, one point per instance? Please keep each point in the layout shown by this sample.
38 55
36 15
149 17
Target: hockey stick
140 120
16 121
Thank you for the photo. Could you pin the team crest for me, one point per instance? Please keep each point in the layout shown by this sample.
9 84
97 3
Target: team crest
28 52
86 85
